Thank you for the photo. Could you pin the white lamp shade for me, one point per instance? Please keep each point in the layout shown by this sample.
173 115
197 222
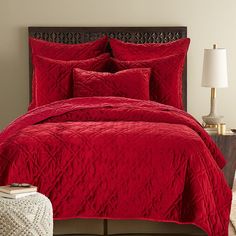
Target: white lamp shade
215 68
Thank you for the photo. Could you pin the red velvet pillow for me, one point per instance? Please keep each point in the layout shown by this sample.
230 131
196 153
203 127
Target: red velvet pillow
66 52
53 78
131 51
166 77
133 83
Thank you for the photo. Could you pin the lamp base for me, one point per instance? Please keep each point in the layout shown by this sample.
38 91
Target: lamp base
212 121
205 126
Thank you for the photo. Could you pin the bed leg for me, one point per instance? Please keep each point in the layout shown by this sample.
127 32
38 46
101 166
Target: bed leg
105 227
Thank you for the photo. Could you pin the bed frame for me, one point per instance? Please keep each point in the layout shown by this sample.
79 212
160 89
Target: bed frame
74 35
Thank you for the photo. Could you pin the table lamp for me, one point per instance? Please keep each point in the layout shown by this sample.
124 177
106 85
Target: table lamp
214 76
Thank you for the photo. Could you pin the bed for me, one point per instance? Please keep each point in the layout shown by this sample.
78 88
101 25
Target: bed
181 186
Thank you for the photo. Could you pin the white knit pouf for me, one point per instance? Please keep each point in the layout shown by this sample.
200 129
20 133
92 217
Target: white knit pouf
28 216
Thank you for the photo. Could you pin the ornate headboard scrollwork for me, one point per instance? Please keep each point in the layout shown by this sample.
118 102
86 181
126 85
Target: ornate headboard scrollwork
74 35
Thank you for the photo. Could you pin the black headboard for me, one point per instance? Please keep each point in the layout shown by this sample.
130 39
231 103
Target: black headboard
73 35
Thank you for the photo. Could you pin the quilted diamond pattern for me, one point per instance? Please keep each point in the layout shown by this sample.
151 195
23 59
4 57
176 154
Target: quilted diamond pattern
53 79
67 52
119 158
133 52
166 77
133 83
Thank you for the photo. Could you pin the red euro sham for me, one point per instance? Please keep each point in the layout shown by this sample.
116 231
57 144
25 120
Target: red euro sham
132 83
166 77
131 51
53 79
66 52
119 158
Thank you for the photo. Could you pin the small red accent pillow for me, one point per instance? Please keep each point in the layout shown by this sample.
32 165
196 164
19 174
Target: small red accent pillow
66 52
53 79
166 77
131 51
132 83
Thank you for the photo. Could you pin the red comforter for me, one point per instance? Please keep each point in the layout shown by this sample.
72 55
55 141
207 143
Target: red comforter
119 158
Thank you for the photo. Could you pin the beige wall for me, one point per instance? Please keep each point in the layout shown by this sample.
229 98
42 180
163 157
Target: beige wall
208 22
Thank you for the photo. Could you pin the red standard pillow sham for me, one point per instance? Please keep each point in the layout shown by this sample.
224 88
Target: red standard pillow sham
166 77
66 52
53 78
132 83
131 51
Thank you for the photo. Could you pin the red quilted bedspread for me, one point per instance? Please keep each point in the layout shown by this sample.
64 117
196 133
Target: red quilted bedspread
119 158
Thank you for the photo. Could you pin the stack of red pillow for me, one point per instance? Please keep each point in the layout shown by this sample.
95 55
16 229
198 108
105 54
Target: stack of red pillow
140 71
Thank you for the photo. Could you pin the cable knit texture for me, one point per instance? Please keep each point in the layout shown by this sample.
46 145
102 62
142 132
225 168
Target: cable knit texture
132 83
119 158
166 77
132 52
53 79
25 216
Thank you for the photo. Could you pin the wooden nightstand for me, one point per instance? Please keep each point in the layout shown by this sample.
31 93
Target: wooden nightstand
227 145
